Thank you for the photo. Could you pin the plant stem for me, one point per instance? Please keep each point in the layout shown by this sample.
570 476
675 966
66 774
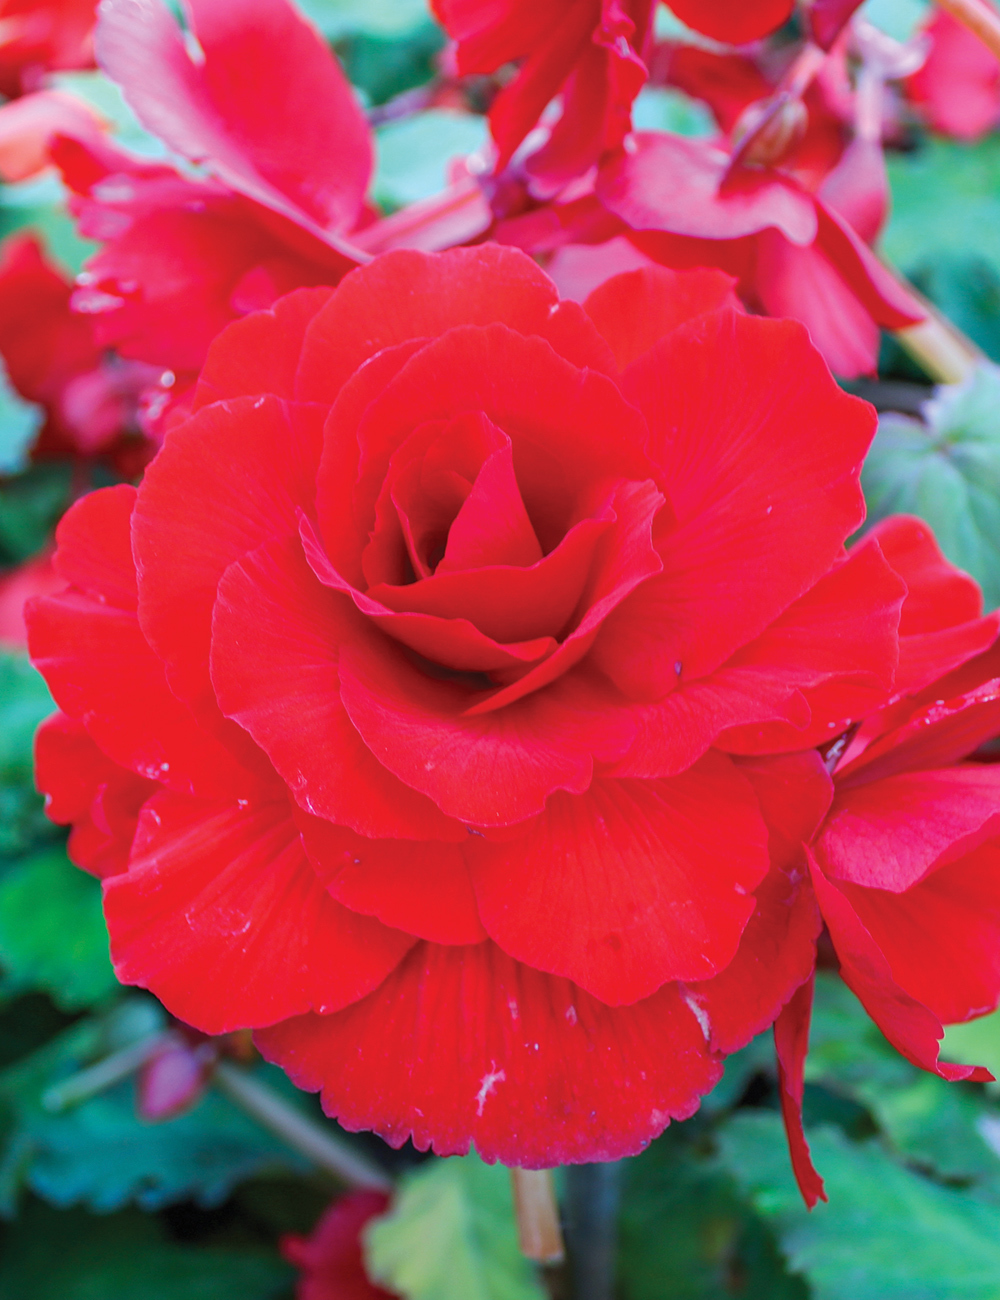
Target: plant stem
105 1074
980 17
593 1193
942 349
304 1135
538 1230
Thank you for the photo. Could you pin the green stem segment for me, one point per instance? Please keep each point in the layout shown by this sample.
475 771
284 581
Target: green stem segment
593 1194
314 1141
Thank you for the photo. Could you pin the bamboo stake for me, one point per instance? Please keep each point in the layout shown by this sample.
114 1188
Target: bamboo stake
980 17
538 1230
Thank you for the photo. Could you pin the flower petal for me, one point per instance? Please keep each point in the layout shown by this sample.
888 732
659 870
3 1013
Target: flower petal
646 881
635 310
421 887
222 917
464 1045
275 643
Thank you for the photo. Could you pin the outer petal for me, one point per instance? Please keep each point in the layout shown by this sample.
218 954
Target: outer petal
266 106
635 310
909 1025
408 295
791 1042
630 885
261 352
84 788
941 625
804 284
674 184
762 471
778 949
838 645
275 645
234 475
222 917
88 645
942 937
423 888
734 22
890 834
464 1045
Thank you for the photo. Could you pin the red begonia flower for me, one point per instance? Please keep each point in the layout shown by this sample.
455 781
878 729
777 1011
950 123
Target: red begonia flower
426 624
285 155
796 253
590 51
958 87
330 1259
90 400
40 36
905 862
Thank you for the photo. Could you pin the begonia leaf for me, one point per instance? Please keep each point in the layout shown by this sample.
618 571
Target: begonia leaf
947 471
413 154
887 1233
40 204
101 1154
686 1234
339 18
944 230
897 18
381 67
451 1236
24 702
129 1256
19 423
30 505
924 1118
52 933
663 108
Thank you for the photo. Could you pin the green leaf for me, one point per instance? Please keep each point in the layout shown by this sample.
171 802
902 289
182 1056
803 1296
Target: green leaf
929 1121
947 471
52 932
30 506
19 423
24 702
102 94
52 1255
686 1234
886 1234
413 154
40 205
662 108
944 231
897 18
390 18
101 1154
451 1235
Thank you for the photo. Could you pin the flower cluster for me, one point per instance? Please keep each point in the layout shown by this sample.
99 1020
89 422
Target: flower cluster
478 696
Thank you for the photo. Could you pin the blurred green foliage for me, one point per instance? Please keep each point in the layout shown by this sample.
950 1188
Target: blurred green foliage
946 468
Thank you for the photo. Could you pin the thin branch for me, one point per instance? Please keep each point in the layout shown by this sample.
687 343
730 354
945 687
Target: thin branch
310 1139
105 1074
